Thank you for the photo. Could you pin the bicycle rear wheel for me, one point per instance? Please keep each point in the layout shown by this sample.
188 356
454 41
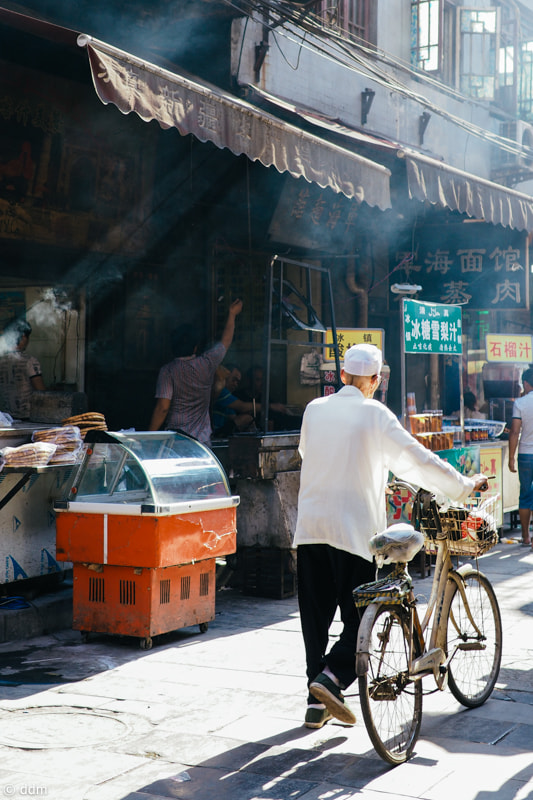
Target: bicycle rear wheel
391 703
474 641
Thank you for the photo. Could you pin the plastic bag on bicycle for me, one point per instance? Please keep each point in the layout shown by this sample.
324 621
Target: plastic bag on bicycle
397 543
479 525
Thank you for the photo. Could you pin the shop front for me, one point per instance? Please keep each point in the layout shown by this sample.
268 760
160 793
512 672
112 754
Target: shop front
472 446
115 237
144 224
326 194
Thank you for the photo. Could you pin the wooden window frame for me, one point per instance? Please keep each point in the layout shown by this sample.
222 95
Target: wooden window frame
350 16
421 40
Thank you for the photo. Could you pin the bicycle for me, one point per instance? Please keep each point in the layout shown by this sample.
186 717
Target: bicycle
459 640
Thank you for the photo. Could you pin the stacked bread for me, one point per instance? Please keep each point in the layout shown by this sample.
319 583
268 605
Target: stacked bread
91 421
35 454
68 441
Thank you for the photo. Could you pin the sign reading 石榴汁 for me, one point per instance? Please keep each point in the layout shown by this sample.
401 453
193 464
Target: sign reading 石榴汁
432 327
513 348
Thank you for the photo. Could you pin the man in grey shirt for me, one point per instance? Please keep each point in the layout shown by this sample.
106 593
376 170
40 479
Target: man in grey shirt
521 436
183 389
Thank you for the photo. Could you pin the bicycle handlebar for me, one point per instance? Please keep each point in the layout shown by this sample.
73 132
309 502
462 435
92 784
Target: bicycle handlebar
400 482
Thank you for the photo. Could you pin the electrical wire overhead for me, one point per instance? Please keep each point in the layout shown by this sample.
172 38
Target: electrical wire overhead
295 25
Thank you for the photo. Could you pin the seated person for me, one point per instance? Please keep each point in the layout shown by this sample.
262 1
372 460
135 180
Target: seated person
229 413
470 407
279 417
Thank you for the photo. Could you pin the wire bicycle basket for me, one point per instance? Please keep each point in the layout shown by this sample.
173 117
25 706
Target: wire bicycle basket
471 529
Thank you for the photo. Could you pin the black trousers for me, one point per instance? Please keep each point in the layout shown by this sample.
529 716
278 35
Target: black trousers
326 579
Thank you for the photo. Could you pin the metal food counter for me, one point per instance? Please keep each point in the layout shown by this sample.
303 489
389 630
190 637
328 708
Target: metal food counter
27 517
264 470
491 458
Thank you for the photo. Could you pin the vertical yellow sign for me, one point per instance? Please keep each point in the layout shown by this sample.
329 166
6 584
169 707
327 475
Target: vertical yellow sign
490 463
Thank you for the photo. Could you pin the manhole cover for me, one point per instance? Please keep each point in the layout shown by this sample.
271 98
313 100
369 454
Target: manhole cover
41 728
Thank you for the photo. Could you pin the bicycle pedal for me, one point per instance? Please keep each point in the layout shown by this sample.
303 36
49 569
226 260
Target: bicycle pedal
385 691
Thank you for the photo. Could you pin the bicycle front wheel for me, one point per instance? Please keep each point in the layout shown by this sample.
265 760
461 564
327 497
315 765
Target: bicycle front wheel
391 703
474 640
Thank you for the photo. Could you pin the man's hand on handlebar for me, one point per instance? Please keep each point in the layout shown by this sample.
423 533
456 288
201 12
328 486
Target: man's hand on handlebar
482 482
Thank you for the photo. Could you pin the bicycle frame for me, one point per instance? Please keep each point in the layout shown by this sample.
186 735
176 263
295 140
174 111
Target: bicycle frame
433 659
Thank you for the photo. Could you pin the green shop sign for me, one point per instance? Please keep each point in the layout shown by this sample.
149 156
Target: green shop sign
432 327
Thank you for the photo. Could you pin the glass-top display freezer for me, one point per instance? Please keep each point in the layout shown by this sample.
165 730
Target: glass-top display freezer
146 498
150 472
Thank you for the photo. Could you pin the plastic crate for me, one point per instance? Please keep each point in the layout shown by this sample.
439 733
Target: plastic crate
268 572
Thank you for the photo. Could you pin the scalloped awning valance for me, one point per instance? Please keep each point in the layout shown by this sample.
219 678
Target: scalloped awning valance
176 100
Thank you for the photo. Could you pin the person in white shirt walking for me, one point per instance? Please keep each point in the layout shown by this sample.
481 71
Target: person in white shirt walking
521 437
348 444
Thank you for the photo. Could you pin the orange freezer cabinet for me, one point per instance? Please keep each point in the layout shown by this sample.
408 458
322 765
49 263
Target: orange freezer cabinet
145 540
145 518
134 601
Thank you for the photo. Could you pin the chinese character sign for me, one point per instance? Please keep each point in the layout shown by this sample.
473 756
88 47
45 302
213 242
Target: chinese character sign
432 327
478 266
310 217
491 465
346 337
513 348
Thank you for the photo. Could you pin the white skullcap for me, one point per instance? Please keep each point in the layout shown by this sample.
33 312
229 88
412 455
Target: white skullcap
363 359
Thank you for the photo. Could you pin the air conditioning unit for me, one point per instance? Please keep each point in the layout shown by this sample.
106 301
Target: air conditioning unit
522 133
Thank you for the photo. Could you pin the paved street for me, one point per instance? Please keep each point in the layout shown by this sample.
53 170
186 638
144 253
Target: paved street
219 715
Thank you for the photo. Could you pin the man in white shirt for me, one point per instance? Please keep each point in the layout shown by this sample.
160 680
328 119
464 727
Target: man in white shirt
349 443
521 436
20 373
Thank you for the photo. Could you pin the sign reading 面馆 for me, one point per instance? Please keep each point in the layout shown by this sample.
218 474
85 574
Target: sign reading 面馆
432 327
473 265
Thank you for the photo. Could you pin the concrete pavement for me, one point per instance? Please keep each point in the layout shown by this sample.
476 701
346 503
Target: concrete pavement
219 715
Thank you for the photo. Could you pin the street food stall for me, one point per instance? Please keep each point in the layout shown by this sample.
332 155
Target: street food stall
144 521
28 488
470 445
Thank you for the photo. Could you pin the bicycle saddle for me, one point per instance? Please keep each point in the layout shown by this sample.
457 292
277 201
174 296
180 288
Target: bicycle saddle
399 542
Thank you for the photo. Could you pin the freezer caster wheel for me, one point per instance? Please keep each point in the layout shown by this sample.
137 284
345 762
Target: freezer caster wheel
203 627
84 636
146 644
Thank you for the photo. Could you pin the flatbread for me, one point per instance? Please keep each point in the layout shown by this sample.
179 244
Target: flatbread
90 416
64 435
36 454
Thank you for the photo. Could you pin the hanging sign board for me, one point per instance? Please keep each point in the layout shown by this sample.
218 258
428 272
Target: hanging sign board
477 265
309 217
510 348
346 337
432 327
